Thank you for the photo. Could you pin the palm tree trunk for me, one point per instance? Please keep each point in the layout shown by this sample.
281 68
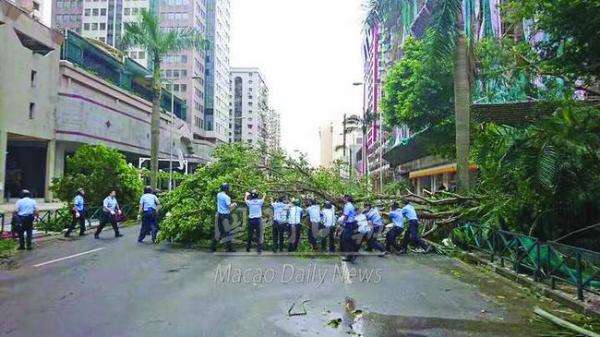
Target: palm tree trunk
155 123
462 102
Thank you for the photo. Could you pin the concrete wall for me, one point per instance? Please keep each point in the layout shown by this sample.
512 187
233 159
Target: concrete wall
92 111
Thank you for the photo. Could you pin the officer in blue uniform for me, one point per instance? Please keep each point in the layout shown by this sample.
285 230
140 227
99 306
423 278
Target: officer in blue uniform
398 226
148 209
412 234
110 209
223 229
280 209
26 210
295 215
377 225
349 227
78 213
314 218
255 205
327 231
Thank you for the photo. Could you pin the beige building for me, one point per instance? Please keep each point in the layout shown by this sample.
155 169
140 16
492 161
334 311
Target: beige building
29 60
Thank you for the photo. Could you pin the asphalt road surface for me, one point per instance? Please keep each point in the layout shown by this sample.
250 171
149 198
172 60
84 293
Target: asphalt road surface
119 288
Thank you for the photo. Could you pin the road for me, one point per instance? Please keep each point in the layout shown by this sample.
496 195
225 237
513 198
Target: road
119 288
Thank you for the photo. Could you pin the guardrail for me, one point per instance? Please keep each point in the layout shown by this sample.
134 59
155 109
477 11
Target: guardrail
547 262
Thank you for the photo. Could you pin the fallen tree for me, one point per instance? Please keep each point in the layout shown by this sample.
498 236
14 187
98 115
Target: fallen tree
191 206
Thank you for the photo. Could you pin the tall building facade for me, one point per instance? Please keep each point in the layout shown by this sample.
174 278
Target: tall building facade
250 116
183 72
273 130
216 109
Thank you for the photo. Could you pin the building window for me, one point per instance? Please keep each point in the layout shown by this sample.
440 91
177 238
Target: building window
95 11
94 26
31 110
103 11
87 12
86 26
102 26
169 73
126 11
175 87
102 39
183 58
249 126
183 87
33 78
183 73
141 55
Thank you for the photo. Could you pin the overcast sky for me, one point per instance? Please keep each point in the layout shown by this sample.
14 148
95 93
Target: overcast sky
310 54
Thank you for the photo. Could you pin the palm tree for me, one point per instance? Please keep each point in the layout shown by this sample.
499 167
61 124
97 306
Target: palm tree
447 40
146 33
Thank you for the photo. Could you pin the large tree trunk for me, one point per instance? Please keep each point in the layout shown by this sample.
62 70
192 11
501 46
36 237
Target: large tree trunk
462 102
155 123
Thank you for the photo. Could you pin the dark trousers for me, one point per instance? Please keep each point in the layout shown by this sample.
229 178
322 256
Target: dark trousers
294 237
348 242
107 218
328 235
149 225
313 232
373 239
75 220
222 220
391 238
278 231
25 228
254 229
412 234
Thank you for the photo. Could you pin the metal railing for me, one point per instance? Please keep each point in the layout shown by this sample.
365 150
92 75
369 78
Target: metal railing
547 262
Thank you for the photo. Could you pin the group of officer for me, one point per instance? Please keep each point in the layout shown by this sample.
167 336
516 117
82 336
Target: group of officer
26 211
354 227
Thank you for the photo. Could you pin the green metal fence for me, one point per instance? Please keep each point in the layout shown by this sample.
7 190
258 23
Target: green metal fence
547 262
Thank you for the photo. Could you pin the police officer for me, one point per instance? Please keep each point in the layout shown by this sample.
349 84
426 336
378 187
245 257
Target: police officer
314 218
295 215
148 209
398 226
376 225
26 210
412 234
224 207
110 209
255 205
349 226
78 213
327 232
280 209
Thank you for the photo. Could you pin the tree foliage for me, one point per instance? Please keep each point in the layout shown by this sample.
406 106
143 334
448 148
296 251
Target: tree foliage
542 179
98 170
565 35
418 92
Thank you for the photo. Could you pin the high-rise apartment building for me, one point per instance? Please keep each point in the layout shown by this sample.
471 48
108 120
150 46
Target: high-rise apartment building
216 110
249 112
183 72
273 130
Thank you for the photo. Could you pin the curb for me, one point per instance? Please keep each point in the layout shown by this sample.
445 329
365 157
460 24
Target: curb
545 290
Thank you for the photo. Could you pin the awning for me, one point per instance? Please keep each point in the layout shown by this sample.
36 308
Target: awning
432 171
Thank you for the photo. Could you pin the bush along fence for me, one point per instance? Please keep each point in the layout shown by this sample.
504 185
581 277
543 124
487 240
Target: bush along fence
59 219
547 262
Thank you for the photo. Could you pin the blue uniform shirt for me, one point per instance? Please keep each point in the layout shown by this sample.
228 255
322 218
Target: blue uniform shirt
295 215
280 211
78 201
328 217
110 203
349 212
223 203
409 212
397 218
374 217
255 208
25 206
149 201
314 213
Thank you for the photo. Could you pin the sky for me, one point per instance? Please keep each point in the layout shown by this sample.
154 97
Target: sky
309 52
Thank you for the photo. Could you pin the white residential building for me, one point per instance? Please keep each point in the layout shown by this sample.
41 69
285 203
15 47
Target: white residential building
249 110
